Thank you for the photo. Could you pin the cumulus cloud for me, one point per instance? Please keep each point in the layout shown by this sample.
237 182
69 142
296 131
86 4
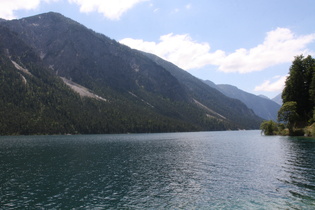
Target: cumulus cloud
178 49
8 7
275 84
112 9
279 46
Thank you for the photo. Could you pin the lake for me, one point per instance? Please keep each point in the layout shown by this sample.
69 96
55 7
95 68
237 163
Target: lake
198 170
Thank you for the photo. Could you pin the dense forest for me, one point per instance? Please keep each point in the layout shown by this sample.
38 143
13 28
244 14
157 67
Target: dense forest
297 114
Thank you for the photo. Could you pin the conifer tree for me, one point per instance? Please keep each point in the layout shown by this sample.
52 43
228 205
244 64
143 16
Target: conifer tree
299 88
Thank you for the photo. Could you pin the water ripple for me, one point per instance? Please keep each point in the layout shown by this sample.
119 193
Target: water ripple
217 170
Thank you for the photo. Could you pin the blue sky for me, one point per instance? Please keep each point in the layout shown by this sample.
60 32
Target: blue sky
246 43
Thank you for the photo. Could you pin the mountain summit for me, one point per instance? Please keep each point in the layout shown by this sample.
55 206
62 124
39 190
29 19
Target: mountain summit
81 81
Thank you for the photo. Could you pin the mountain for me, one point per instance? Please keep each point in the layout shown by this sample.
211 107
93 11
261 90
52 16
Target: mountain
278 99
262 106
263 96
60 77
205 96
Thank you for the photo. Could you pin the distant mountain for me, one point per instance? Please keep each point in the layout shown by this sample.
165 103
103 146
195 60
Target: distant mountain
263 96
210 98
278 99
262 106
60 77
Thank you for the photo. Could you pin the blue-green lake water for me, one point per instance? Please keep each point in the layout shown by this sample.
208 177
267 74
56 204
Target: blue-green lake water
200 170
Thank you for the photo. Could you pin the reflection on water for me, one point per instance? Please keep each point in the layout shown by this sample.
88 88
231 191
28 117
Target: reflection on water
237 169
299 172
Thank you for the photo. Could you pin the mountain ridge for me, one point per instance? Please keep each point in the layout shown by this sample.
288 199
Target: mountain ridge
262 106
193 83
278 99
140 94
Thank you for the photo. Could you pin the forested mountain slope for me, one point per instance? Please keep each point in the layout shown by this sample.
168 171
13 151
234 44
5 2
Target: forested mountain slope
263 107
57 76
36 101
209 96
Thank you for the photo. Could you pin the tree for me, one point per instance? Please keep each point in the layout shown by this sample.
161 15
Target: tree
299 87
288 114
269 127
312 89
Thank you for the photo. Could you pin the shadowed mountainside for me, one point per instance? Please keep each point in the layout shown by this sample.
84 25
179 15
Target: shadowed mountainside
79 81
263 107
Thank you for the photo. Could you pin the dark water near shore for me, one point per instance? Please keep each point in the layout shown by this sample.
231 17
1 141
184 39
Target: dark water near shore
203 170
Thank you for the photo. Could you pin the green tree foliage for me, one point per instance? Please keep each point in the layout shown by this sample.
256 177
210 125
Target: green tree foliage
288 114
269 127
298 109
312 90
299 88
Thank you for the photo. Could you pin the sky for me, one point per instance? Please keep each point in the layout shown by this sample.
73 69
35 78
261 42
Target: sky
246 43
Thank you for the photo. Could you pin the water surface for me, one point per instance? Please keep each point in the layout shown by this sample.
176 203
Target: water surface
200 170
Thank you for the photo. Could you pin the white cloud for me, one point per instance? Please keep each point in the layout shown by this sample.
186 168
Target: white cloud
9 6
112 9
279 46
275 84
178 49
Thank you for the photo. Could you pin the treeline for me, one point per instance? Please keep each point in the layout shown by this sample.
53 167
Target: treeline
40 103
296 116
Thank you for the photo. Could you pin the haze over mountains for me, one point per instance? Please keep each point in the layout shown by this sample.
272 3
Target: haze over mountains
278 99
262 106
57 76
